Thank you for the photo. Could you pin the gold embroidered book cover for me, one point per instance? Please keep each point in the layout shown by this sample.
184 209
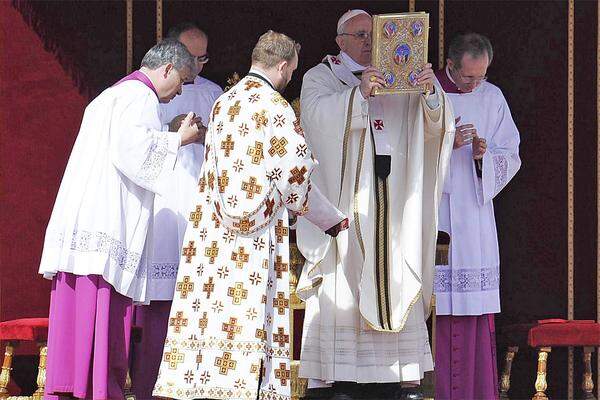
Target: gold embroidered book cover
400 50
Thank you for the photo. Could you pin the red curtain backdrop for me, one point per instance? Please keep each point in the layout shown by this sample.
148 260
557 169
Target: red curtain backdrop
40 112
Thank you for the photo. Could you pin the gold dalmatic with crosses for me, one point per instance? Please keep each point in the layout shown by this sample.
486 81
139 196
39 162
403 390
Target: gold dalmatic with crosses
229 334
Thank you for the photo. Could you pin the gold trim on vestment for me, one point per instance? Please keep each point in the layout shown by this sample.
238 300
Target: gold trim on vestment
382 255
347 130
356 188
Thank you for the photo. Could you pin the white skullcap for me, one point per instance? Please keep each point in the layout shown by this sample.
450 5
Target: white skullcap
347 15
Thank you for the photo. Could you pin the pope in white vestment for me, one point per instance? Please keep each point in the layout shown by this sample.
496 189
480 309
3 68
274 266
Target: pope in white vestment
383 161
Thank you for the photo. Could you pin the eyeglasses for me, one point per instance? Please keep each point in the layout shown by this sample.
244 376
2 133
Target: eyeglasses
362 35
203 59
470 79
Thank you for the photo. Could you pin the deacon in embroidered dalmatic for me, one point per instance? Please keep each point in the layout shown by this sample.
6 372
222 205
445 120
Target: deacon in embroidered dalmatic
98 240
171 211
228 334
485 158
382 162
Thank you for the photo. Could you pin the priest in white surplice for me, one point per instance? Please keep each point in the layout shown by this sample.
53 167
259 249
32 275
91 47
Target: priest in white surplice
485 158
171 212
99 239
228 335
383 160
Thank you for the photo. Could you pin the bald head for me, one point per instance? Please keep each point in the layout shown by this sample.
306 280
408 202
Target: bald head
195 40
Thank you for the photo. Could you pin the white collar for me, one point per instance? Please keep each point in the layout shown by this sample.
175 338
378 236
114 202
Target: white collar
350 63
449 76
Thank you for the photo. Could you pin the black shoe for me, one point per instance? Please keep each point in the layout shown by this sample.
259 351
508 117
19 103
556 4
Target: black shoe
411 393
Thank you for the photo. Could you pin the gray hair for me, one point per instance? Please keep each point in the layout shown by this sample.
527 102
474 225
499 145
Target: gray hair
176 31
470 43
274 47
169 51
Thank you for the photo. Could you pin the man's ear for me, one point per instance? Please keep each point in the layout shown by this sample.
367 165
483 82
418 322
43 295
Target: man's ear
450 63
339 39
282 66
167 69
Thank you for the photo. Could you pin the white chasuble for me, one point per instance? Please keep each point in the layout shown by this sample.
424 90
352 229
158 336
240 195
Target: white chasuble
101 223
470 284
229 322
172 208
368 290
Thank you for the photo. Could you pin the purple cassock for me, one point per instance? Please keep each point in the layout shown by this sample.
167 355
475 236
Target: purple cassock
89 332
465 354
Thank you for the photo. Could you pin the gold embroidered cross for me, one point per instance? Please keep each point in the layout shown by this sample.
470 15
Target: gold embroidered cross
203 322
173 358
281 303
231 328
216 220
201 184
237 293
223 181
178 321
225 363
280 231
189 251
240 257
260 119
252 84
212 252
256 152
280 337
297 175
208 287
278 146
227 145
280 266
244 225
185 287
196 216
234 111
251 188
282 374
261 334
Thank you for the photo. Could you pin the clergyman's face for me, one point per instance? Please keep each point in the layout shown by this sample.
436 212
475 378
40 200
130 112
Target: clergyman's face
471 73
356 47
197 45
171 82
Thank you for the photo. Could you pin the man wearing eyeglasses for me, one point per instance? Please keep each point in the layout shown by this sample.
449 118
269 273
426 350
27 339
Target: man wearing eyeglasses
172 210
485 158
382 161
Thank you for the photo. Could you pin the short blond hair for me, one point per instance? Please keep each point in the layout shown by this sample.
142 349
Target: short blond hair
273 48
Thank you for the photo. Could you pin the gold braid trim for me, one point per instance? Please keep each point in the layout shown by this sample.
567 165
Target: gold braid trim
356 187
